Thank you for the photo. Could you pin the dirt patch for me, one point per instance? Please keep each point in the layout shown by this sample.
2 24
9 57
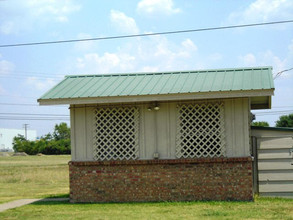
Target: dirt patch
4 154
20 154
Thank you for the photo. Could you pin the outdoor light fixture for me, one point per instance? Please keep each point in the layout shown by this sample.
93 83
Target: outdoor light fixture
156 107
153 107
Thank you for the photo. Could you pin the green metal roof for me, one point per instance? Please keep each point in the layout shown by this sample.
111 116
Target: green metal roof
162 83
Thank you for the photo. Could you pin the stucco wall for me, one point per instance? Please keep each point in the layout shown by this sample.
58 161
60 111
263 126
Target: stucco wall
158 130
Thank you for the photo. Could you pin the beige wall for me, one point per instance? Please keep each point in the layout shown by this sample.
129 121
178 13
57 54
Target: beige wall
158 130
263 132
274 161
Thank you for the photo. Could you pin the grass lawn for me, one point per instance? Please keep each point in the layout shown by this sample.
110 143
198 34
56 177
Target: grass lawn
260 209
33 177
45 176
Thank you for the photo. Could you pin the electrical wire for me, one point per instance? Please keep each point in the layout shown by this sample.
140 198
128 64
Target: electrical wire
22 114
35 119
36 105
280 73
145 35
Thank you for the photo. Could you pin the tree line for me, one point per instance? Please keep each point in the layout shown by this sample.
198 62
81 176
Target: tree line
51 144
285 121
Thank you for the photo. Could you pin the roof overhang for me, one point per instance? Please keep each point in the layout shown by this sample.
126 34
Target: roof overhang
260 99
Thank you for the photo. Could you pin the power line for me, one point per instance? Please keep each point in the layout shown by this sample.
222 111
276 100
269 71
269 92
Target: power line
18 96
36 105
145 35
34 114
18 104
21 77
35 119
280 73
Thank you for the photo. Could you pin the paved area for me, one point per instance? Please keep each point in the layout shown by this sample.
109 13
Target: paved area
22 202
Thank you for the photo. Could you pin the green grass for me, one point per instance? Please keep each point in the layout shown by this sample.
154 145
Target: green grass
260 209
33 177
47 176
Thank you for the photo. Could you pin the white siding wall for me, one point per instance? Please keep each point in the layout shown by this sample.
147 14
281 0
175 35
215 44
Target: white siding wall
274 162
158 130
237 126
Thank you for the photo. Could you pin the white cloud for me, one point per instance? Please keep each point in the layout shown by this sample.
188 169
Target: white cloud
264 11
6 67
150 69
2 91
58 10
188 44
267 58
216 57
24 15
290 47
94 63
40 84
54 7
248 59
123 23
157 6
155 53
7 27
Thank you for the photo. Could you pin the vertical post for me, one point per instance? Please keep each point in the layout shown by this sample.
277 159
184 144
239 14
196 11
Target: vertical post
156 108
156 135
255 165
25 130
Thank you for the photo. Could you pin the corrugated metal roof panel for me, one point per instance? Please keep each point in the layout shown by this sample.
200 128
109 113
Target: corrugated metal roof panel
84 86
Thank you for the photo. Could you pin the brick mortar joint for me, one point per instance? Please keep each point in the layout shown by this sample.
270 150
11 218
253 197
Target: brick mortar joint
162 161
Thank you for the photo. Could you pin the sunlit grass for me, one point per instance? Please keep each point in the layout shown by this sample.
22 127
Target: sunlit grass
47 176
33 177
262 208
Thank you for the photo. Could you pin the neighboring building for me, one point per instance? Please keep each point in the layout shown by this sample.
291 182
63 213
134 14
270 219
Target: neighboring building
7 135
170 136
273 150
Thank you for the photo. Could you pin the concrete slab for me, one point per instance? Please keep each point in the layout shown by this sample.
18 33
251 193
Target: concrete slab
22 202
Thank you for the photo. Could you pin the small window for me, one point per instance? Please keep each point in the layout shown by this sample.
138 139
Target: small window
200 130
116 132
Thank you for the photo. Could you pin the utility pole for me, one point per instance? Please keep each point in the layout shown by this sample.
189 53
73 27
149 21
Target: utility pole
25 130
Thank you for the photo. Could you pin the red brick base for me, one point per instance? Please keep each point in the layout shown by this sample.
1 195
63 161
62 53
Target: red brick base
161 180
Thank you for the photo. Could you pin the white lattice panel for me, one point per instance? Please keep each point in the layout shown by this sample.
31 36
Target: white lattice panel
116 133
200 130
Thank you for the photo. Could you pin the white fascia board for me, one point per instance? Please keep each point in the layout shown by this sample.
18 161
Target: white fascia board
149 98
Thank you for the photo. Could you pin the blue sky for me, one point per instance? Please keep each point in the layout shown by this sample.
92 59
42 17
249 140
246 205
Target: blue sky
28 72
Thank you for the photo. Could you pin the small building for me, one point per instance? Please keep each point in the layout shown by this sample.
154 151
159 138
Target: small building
168 136
7 135
273 161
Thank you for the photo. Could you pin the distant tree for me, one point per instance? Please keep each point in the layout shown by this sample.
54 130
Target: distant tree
61 132
17 143
47 137
56 143
260 124
285 121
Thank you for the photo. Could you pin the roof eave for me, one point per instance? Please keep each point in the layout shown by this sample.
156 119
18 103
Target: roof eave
158 97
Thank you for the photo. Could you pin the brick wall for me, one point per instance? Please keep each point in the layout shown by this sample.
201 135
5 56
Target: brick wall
161 180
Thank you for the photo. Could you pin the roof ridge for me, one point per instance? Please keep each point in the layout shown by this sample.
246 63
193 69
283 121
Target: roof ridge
169 72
